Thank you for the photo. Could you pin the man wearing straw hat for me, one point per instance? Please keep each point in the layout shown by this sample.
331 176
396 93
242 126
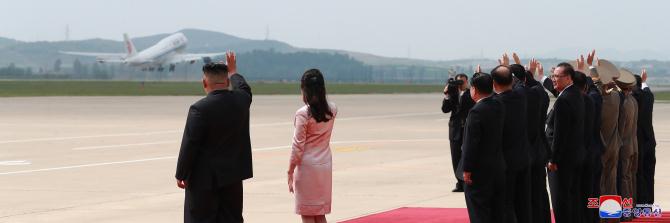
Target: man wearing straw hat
603 75
628 132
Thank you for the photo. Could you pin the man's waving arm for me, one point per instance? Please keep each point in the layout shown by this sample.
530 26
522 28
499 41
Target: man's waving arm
236 80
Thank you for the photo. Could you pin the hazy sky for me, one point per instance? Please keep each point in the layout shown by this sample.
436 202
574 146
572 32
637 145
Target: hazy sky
435 29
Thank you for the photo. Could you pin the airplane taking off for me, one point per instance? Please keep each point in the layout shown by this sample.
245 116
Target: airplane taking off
169 50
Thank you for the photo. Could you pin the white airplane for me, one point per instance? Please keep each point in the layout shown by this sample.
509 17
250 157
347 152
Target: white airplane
169 50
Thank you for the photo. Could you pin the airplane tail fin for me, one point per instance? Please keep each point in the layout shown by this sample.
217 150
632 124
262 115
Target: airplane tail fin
130 47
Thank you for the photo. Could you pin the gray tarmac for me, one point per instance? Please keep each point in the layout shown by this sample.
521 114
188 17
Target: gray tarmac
112 159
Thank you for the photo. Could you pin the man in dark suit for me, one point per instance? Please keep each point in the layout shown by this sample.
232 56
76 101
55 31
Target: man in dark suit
646 141
537 105
457 100
596 145
483 162
215 154
588 166
565 132
515 146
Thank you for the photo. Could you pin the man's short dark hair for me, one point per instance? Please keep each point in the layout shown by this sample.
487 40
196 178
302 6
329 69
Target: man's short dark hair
502 75
579 80
461 75
567 69
483 82
216 69
518 71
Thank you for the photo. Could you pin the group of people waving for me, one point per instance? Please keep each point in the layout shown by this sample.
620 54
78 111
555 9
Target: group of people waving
597 139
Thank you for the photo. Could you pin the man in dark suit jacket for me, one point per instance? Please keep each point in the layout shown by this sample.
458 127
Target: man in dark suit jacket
215 154
646 141
457 100
483 162
516 148
537 105
565 132
591 158
596 146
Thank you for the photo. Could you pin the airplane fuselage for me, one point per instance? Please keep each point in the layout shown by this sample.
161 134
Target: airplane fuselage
160 52
168 51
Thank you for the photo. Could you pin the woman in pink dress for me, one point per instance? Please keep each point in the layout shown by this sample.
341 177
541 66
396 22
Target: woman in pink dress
310 157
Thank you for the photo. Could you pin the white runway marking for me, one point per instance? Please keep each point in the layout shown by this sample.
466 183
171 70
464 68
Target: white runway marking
270 148
259 149
14 163
86 137
271 124
386 116
88 165
125 145
358 141
353 118
174 157
179 131
388 140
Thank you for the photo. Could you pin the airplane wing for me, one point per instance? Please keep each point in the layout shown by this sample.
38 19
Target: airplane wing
188 57
106 57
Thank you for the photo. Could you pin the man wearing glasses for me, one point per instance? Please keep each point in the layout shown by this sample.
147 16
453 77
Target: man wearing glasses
565 132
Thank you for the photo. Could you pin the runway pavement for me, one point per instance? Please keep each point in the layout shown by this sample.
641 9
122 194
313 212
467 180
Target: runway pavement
112 159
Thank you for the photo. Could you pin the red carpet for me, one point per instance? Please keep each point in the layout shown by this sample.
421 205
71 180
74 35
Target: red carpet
414 215
446 215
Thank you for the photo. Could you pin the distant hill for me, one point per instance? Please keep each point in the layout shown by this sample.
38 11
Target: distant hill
6 41
611 54
43 52
210 41
41 56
